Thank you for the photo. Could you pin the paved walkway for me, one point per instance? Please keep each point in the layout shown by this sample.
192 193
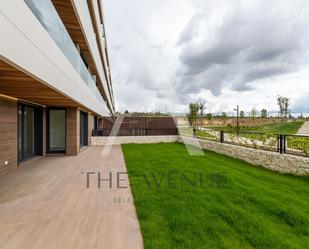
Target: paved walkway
304 130
46 204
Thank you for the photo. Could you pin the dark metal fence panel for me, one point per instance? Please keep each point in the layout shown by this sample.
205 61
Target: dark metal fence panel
139 126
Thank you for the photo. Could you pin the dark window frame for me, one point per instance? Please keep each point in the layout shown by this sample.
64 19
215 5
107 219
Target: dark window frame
48 151
38 131
83 120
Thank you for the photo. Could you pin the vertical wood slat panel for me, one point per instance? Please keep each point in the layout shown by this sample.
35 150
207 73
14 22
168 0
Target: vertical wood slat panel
8 135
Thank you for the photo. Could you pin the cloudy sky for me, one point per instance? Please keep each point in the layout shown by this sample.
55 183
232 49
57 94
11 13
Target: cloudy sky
165 54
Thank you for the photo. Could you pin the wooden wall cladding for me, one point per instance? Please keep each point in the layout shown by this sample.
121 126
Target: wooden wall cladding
18 84
8 135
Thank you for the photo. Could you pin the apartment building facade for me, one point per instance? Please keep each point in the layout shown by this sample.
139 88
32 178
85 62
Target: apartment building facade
55 82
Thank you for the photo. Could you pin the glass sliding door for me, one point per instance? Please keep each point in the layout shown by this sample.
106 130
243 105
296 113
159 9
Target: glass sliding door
95 125
29 131
20 133
56 130
83 129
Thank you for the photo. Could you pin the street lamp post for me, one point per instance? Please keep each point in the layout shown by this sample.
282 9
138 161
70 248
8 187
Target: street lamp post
237 109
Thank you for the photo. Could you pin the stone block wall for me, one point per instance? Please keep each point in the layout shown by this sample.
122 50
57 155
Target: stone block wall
133 139
283 163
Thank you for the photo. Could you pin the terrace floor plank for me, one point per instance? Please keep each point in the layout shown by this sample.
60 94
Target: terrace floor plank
46 204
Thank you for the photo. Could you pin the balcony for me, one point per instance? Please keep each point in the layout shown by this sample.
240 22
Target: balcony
47 15
102 30
76 17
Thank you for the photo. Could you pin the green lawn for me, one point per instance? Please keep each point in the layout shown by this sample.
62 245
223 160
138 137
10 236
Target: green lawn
276 128
236 205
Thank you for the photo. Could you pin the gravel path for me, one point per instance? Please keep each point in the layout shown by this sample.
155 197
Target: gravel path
304 129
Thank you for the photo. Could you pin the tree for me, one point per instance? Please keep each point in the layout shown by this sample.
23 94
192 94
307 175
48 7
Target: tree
281 105
254 113
201 106
126 112
223 115
209 116
264 113
301 115
242 114
286 107
284 104
192 115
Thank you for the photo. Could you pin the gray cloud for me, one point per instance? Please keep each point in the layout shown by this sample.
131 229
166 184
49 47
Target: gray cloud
249 45
177 51
301 104
191 29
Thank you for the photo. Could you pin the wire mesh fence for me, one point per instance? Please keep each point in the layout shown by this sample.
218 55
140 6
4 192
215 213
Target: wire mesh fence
296 145
208 134
281 143
256 140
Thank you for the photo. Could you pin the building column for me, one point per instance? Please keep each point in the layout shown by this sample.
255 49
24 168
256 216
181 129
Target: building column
8 135
72 131
44 132
90 127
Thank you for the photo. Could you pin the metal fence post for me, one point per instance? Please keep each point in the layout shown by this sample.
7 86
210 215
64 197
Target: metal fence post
221 136
284 143
278 143
281 144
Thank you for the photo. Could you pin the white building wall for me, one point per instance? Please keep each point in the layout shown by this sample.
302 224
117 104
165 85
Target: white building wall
27 44
101 36
85 20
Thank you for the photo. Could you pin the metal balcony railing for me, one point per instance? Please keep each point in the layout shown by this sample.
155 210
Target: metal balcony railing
47 15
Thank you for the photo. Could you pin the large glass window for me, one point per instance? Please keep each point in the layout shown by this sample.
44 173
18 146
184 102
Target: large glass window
29 131
57 130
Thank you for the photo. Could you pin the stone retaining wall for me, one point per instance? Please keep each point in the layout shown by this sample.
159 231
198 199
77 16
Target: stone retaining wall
133 140
283 163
